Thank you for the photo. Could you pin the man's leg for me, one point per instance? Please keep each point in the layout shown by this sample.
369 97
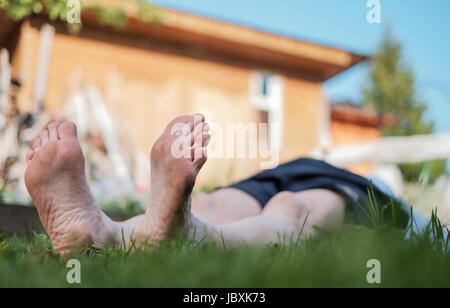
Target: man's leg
56 181
287 216
224 206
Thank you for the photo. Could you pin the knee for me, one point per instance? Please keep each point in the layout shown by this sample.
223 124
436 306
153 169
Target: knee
320 207
284 204
285 197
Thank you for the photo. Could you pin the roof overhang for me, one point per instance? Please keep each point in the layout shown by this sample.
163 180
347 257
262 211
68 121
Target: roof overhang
225 41
360 115
243 44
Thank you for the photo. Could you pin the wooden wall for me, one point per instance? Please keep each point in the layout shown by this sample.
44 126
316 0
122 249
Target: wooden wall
146 84
345 133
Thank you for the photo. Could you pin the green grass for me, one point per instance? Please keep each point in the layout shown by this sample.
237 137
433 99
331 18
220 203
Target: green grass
335 260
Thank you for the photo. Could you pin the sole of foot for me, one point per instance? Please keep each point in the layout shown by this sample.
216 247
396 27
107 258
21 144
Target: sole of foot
176 159
56 181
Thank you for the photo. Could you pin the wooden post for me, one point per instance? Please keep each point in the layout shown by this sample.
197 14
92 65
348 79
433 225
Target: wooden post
45 50
107 130
5 83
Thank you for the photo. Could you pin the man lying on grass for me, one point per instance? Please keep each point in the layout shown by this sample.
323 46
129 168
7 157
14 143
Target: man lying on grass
300 199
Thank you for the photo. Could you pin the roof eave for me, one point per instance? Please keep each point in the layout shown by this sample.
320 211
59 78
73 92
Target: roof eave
241 43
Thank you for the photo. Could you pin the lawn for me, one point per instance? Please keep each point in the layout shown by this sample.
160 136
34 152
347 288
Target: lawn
337 260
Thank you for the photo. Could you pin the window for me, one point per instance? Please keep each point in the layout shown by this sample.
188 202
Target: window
267 95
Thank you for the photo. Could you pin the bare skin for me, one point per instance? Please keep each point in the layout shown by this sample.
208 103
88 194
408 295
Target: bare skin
172 177
57 183
287 216
224 206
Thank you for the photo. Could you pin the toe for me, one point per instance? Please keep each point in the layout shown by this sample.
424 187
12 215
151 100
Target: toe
67 129
197 133
30 156
200 143
205 140
37 144
206 127
201 155
44 137
201 139
198 118
197 138
53 130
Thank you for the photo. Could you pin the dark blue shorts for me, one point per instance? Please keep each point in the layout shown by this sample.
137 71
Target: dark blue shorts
305 174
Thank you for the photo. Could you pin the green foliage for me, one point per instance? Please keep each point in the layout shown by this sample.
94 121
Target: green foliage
382 214
148 13
19 9
115 18
123 209
392 91
58 10
337 260
431 170
2 193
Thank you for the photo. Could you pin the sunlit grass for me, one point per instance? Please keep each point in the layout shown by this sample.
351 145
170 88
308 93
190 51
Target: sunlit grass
338 260
335 260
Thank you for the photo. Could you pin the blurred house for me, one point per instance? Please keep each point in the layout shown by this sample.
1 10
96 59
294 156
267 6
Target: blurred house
354 124
150 74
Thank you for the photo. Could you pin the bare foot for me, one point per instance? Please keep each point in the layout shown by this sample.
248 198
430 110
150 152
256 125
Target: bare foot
56 180
176 159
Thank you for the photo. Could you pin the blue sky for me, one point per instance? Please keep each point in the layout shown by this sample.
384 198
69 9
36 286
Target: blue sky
422 26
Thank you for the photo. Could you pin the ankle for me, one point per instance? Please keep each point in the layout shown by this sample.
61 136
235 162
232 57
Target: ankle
109 233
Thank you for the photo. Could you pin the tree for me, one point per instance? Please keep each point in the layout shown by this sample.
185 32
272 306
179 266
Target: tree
392 91
60 10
